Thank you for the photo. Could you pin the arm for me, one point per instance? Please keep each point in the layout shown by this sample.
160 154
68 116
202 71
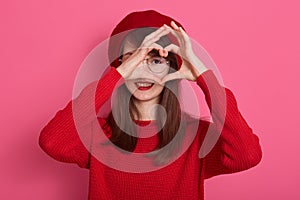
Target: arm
67 135
237 147
60 139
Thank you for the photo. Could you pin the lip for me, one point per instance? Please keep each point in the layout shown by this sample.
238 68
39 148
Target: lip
142 80
144 85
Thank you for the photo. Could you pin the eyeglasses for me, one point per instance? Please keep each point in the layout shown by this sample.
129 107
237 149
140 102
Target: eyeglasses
157 64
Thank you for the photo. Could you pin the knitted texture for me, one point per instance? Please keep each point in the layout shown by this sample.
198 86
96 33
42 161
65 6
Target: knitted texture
237 147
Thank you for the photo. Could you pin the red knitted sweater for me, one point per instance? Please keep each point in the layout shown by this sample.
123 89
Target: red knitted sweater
237 148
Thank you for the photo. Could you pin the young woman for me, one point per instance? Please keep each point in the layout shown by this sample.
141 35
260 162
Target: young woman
146 119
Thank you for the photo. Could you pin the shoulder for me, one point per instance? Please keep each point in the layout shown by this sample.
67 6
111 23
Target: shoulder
197 124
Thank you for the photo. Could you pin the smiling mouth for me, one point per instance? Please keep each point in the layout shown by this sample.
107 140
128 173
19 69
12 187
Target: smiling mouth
144 85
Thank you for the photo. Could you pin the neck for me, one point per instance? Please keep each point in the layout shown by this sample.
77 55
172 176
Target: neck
147 109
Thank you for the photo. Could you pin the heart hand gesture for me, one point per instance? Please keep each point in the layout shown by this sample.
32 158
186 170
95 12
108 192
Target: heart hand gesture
191 66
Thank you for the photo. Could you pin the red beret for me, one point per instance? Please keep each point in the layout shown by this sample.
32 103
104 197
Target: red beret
148 18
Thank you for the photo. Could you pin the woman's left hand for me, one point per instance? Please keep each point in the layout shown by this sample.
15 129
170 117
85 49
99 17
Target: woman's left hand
191 66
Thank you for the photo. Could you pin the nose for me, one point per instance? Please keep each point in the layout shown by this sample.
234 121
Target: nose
142 72
142 68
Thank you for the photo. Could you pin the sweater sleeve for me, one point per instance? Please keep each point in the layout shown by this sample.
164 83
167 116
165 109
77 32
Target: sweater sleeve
60 137
236 147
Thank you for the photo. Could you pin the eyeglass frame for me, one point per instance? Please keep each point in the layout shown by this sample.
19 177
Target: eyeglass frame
167 62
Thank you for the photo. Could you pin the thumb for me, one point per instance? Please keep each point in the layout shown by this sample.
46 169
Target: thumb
173 48
172 76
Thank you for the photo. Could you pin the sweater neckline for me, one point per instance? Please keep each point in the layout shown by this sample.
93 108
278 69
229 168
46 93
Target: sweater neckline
145 122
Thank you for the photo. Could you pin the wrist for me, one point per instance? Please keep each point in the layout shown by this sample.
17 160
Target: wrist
121 72
198 67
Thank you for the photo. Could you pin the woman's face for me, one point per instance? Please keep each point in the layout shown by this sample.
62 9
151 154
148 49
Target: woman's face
143 87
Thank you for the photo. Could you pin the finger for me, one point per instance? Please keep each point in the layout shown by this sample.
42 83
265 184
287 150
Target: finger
172 76
150 47
176 33
143 51
155 46
172 30
156 32
150 39
154 77
140 54
173 48
180 29
163 52
183 38
174 25
137 58
186 38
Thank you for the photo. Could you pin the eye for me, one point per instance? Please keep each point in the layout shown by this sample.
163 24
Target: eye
157 61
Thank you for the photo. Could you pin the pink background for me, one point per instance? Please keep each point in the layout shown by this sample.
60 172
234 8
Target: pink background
254 43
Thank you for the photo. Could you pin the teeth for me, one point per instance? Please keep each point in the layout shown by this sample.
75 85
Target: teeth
140 84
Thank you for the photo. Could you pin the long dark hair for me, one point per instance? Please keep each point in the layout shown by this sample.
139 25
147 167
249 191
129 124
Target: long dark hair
173 123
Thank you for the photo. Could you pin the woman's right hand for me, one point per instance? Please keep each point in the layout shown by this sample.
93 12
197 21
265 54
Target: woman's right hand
128 66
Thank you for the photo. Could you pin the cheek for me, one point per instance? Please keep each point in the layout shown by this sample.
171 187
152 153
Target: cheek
157 89
163 74
130 86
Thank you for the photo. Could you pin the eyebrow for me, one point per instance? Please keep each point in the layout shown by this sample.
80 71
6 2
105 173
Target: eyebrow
128 53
